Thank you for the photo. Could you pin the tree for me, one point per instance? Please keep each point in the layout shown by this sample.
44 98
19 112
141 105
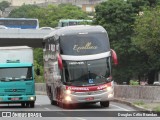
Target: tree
3 5
23 11
147 38
50 15
118 17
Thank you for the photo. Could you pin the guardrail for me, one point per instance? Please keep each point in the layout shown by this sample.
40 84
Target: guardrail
126 92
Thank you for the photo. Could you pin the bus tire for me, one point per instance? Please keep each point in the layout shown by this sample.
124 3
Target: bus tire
32 104
53 102
104 103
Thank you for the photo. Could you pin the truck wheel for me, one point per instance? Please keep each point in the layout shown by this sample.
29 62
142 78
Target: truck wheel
32 104
27 104
104 103
23 105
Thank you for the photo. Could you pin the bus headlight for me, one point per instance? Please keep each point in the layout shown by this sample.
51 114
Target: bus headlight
68 98
109 88
68 92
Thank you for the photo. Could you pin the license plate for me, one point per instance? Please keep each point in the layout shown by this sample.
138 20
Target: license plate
14 98
89 98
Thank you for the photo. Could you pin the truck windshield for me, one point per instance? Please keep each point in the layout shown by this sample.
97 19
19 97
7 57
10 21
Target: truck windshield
86 73
14 74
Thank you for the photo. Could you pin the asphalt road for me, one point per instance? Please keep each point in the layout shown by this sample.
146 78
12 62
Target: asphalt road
82 112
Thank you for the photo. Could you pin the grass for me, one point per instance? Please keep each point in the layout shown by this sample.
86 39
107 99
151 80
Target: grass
140 103
157 109
150 106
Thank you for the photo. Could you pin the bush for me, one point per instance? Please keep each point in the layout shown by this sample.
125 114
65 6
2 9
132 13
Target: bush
134 82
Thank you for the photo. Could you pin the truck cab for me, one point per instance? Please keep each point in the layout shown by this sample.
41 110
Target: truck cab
17 83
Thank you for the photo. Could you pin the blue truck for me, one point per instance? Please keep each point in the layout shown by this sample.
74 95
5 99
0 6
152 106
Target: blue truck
17 84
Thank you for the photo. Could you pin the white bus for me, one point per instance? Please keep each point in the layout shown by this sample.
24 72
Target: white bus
77 66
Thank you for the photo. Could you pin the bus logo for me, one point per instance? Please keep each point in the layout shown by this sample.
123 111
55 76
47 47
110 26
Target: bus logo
90 81
87 46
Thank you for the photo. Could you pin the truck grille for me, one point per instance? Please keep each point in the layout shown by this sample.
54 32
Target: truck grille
14 90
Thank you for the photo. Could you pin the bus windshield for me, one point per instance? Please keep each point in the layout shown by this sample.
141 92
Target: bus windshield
84 44
86 73
14 74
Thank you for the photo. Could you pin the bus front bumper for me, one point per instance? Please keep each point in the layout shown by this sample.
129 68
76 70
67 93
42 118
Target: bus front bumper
88 97
17 99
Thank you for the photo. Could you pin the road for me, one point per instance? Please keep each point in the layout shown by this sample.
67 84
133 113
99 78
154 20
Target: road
82 112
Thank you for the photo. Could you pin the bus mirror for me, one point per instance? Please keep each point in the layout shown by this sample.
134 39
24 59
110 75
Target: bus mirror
60 64
114 57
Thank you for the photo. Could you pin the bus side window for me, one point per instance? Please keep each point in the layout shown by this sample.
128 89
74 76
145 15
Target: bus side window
57 47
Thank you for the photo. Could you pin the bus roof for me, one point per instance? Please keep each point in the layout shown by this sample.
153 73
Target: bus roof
81 20
18 19
81 29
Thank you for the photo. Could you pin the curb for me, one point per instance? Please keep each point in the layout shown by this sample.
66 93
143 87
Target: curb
139 108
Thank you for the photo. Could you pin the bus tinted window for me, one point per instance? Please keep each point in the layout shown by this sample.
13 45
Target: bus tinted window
92 43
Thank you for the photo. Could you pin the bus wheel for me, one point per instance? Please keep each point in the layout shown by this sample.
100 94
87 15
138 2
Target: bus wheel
31 104
104 103
53 102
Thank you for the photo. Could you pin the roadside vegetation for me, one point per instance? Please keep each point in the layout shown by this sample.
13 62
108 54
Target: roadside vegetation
133 28
152 106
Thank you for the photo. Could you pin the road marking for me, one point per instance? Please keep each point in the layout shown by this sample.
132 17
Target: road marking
120 107
80 118
46 108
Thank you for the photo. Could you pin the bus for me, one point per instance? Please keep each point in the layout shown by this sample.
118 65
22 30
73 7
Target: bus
22 23
71 22
77 66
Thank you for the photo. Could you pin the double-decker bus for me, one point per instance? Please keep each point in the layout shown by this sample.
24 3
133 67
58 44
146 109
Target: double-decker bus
77 66
22 23
71 22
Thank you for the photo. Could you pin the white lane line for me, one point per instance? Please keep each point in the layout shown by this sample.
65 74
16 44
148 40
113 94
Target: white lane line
80 118
120 107
46 108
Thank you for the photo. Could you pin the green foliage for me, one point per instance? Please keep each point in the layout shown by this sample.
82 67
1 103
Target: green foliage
139 103
38 78
117 17
147 38
3 5
134 82
157 109
23 11
50 15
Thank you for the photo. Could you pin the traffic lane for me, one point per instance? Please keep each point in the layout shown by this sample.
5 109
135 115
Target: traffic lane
43 104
